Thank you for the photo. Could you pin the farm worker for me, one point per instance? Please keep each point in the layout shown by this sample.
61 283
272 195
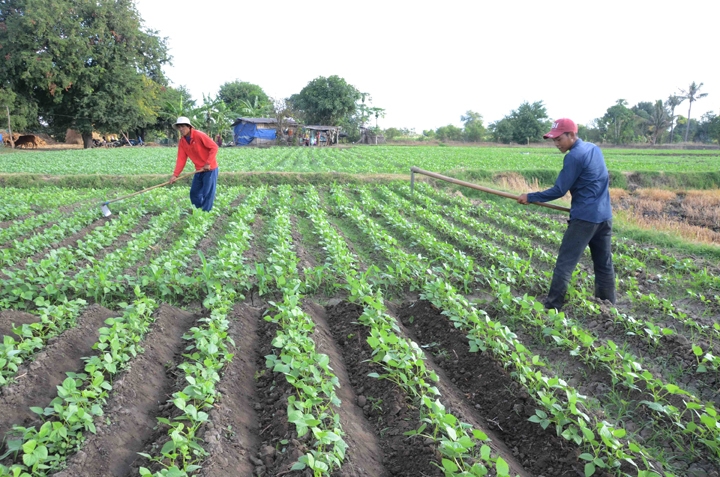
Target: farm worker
585 175
202 151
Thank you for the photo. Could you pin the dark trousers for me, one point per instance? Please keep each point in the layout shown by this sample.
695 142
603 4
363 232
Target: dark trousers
202 190
581 234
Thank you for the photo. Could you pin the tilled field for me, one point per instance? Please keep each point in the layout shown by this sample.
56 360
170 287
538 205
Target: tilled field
354 331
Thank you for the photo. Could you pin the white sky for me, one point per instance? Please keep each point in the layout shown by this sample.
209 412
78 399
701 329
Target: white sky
427 63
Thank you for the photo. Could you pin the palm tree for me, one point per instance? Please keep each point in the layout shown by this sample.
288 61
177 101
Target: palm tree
673 102
658 121
692 95
255 108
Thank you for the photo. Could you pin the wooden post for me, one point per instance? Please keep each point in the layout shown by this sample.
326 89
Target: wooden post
12 143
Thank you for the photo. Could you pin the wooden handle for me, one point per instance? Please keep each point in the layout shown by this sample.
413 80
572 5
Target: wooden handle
484 189
151 188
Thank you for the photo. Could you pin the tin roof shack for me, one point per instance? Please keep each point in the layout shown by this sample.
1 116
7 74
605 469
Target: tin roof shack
261 131
328 134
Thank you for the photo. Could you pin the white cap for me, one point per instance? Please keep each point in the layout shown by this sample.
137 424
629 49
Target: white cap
182 120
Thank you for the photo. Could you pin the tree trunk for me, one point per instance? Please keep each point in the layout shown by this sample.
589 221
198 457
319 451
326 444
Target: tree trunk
87 140
687 128
672 124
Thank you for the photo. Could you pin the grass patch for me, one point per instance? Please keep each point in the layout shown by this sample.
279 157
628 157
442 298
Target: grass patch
662 239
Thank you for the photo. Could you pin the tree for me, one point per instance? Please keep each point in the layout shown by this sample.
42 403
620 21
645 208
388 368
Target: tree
392 133
673 102
241 94
641 121
254 108
692 94
85 65
449 133
474 128
175 103
502 131
658 121
526 124
283 113
377 112
213 116
326 101
713 126
617 122
23 114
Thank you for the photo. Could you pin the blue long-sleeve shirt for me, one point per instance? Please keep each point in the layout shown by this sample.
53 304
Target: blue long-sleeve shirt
585 175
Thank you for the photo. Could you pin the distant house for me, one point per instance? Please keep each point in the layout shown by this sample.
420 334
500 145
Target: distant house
324 135
259 131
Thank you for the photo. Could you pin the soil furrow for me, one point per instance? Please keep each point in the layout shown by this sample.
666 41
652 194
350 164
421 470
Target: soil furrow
456 401
36 382
137 396
232 431
363 457
502 402
272 392
12 318
386 408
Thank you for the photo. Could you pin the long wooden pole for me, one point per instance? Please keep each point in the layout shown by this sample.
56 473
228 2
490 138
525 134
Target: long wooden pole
414 170
149 188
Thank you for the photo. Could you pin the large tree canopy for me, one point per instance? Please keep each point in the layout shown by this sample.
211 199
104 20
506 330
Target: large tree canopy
326 101
525 124
89 65
474 128
237 95
617 123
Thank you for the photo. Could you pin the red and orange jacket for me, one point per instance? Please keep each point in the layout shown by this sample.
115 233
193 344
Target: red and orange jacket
202 151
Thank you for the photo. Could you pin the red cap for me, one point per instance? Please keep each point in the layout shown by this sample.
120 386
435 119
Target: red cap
561 126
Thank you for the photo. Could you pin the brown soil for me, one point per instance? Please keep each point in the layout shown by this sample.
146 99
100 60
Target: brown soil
137 398
387 409
10 319
503 403
35 384
363 454
232 433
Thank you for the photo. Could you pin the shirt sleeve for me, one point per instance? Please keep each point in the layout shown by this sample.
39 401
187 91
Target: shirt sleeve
567 177
181 159
212 148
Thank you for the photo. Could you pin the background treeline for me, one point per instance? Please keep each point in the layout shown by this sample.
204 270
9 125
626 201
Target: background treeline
652 123
94 67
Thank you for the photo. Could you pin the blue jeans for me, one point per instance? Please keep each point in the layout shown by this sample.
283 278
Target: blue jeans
581 234
202 190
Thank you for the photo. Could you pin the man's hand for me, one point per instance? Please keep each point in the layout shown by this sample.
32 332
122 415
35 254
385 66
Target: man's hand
206 168
522 199
173 179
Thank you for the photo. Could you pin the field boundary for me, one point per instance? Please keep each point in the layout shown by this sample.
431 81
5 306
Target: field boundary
628 180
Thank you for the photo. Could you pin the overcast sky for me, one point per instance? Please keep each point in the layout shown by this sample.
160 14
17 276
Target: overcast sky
427 63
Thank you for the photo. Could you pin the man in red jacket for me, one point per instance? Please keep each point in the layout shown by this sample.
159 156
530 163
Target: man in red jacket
202 151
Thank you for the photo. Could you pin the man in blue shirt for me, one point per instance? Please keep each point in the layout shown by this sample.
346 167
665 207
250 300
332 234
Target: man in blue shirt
585 175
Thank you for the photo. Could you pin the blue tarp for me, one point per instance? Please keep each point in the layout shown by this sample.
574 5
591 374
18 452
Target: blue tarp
245 133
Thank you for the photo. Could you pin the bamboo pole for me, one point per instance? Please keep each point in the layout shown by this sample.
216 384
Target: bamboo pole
452 180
